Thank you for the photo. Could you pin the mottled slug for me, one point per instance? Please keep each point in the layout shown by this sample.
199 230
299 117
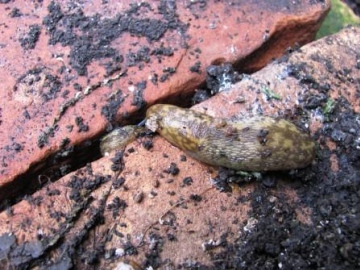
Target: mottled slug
254 144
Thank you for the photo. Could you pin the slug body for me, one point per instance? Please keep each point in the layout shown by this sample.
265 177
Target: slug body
254 144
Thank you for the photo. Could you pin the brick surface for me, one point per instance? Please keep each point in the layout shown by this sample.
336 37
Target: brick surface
71 71
176 227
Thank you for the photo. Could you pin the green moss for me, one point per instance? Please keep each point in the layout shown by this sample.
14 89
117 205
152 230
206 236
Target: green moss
329 107
339 16
270 93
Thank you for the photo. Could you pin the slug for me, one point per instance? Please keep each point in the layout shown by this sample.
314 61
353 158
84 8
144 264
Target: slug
119 138
254 144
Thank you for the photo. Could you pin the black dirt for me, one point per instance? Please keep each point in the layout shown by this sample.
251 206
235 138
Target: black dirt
116 206
109 111
187 181
139 57
79 32
16 147
44 136
218 78
225 178
82 186
29 40
167 73
52 87
153 256
15 13
173 169
117 162
130 249
114 65
167 51
82 127
196 67
195 198
138 99
147 144
200 96
118 182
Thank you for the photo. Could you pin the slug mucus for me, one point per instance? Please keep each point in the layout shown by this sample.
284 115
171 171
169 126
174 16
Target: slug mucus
253 144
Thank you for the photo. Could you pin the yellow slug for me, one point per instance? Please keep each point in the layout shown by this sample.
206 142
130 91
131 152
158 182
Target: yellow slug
254 144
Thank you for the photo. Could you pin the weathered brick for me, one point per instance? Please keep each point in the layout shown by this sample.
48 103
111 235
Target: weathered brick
72 71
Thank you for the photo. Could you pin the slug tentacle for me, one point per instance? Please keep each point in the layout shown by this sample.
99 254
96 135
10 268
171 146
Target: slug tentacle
255 144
